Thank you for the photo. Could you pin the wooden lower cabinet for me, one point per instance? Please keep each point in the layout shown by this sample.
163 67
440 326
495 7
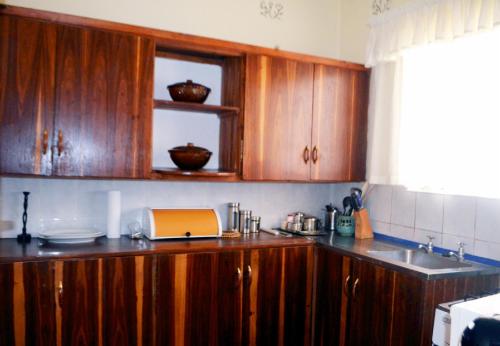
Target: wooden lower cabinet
255 297
359 303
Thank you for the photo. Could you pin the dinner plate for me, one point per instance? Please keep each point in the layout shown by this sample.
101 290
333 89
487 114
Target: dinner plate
71 235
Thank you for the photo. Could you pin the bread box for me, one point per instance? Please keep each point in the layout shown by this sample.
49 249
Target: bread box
171 223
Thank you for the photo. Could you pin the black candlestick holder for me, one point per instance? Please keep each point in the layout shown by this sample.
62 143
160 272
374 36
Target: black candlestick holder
24 237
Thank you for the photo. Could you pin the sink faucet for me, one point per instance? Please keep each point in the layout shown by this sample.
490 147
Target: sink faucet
461 252
429 247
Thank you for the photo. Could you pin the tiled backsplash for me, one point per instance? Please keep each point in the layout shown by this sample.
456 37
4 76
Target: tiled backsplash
82 202
414 216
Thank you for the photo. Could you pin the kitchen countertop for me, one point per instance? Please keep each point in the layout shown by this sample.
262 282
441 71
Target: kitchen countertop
360 248
37 250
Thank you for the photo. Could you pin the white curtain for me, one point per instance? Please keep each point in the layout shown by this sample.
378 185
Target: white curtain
426 21
434 114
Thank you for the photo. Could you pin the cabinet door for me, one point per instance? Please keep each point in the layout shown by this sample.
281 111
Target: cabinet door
103 104
333 275
372 304
339 135
279 293
78 290
278 109
27 304
26 95
199 299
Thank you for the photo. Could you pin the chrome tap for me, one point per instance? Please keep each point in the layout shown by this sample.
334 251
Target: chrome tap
461 252
429 247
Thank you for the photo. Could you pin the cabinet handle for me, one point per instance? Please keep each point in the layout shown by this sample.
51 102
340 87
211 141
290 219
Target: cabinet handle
346 284
45 141
249 275
239 276
356 282
60 293
305 154
60 142
315 154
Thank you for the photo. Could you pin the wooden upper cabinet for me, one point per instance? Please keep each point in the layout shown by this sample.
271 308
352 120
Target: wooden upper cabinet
103 104
278 106
339 135
27 59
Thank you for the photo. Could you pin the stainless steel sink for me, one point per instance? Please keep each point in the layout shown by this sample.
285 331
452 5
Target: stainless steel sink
419 259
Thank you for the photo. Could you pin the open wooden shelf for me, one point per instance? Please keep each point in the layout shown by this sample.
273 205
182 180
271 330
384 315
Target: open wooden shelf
195 107
204 174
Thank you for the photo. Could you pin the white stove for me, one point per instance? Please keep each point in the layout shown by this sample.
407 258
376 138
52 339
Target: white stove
452 318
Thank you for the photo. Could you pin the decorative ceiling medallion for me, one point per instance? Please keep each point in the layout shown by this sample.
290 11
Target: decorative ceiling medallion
380 6
272 9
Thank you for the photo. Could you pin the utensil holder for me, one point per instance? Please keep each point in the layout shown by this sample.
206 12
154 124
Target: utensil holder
363 227
345 225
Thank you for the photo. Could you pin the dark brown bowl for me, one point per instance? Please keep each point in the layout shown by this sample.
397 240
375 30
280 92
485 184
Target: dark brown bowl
190 157
188 92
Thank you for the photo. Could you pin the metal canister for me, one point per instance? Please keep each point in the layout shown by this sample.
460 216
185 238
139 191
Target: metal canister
255 224
331 219
233 216
245 218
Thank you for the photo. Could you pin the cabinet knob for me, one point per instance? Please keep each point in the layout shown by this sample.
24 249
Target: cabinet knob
305 154
346 285
315 154
356 282
239 277
45 142
249 275
60 293
60 143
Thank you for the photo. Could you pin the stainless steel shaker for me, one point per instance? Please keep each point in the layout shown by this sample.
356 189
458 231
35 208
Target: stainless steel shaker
233 216
331 219
255 224
245 218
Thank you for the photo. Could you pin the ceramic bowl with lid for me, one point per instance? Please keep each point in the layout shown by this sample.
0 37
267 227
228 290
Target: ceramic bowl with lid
190 157
188 92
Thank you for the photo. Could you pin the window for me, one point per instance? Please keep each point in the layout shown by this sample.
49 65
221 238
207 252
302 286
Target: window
450 116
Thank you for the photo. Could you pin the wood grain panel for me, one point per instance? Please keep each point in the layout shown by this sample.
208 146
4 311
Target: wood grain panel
328 298
339 124
372 305
103 104
359 139
164 303
268 296
7 336
39 303
298 274
79 303
26 95
229 293
120 301
278 108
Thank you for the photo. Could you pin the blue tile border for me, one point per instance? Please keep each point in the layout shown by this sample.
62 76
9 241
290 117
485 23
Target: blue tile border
409 243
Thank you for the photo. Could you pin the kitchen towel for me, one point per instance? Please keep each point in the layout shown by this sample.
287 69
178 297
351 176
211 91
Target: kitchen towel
114 214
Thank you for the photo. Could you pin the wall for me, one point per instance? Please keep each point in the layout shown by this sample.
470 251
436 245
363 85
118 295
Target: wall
307 26
450 219
78 203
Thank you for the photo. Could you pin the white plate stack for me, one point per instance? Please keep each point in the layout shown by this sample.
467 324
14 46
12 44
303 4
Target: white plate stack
71 235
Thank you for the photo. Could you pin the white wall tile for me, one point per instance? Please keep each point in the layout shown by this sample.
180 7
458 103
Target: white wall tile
421 236
429 212
402 232
487 249
403 207
488 220
451 242
379 203
82 203
381 227
459 215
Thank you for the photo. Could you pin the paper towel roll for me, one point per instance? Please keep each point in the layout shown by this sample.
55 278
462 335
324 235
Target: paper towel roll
114 214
